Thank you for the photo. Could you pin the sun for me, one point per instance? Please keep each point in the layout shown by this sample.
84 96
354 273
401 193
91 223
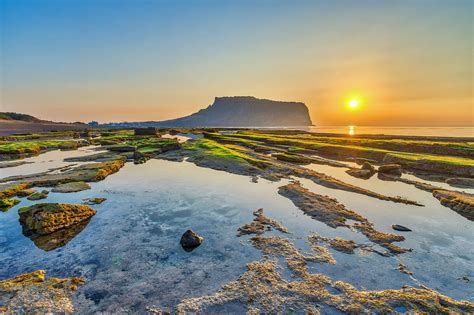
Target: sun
353 103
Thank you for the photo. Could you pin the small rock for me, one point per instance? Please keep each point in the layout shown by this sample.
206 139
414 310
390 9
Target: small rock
190 240
369 167
361 161
25 192
401 228
38 195
392 169
364 174
71 187
94 201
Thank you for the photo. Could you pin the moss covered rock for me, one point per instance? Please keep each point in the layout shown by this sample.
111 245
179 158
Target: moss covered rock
7 203
38 195
46 218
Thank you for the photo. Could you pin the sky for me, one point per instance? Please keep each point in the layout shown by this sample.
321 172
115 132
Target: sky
407 62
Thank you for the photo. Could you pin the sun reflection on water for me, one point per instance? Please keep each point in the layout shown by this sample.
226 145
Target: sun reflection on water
351 130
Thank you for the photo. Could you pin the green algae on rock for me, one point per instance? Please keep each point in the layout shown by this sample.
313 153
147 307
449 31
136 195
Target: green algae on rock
92 172
11 189
38 195
239 160
7 203
419 155
17 149
46 218
32 293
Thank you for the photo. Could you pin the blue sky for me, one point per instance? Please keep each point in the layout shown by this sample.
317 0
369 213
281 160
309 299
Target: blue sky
410 62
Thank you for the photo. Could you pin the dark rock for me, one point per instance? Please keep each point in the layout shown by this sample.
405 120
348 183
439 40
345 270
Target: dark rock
392 169
369 167
361 161
364 174
25 192
140 158
150 131
461 182
121 148
238 111
401 228
190 240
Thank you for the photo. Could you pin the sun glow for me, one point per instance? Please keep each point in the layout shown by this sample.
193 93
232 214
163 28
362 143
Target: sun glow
353 103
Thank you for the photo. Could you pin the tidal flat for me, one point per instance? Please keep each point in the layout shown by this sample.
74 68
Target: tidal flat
293 222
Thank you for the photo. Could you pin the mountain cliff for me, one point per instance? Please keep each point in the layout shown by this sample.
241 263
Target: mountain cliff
238 111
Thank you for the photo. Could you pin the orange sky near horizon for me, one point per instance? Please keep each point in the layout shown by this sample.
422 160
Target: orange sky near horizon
408 62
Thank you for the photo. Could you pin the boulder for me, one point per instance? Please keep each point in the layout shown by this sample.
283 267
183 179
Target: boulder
392 169
46 218
190 240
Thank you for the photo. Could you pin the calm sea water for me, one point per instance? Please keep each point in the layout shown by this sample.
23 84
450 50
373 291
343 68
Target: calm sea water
467 131
130 254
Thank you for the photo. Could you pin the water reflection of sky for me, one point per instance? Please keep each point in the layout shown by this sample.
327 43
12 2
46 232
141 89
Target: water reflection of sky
131 257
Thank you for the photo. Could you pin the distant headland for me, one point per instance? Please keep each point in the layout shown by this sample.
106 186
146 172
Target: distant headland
235 111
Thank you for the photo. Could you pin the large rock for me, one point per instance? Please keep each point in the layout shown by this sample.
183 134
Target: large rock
46 218
391 169
190 240
238 111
